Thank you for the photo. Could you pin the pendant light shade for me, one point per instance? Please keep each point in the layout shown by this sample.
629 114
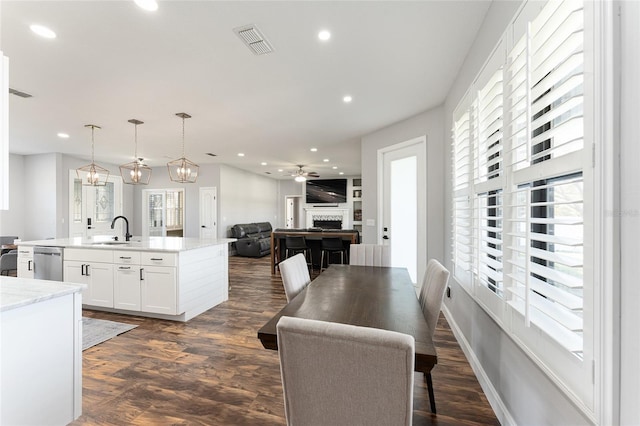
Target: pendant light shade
183 170
136 172
92 174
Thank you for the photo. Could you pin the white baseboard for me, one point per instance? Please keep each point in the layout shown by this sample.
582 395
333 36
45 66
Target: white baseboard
501 411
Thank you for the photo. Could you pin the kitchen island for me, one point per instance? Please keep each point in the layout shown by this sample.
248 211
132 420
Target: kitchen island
40 352
170 278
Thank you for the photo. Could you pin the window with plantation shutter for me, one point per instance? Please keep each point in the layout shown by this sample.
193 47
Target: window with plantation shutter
462 215
488 112
546 225
523 190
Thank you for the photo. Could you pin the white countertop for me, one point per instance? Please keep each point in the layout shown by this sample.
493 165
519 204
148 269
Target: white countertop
17 292
171 244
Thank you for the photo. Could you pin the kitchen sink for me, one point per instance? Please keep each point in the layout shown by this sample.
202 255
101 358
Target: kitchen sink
116 243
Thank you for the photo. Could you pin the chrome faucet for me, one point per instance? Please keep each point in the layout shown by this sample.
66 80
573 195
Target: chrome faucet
127 235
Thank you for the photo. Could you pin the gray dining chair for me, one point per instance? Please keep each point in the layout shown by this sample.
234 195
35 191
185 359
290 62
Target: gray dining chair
9 262
295 275
340 374
369 255
430 298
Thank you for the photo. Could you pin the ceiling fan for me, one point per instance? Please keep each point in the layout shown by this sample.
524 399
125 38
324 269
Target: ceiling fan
300 175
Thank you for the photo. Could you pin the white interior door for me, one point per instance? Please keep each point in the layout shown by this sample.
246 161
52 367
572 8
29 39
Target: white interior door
154 220
92 208
208 213
402 209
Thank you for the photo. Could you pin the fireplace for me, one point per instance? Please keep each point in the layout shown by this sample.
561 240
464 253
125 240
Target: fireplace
327 224
327 218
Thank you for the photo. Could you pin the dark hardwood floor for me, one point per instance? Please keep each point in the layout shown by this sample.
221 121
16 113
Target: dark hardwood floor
213 370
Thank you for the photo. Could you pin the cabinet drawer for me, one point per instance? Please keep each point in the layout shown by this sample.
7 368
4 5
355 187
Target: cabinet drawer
25 252
126 257
158 258
88 255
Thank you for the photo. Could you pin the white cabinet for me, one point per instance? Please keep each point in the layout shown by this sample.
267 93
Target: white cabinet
159 290
126 280
25 262
94 268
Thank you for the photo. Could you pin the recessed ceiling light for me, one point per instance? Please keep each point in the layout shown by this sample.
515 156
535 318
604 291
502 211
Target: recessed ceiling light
280 170
341 173
63 135
150 5
324 35
347 99
326 160
42 31
263 163
240 154
314 149
334 167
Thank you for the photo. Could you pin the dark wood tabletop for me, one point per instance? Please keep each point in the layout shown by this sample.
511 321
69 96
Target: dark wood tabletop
367 296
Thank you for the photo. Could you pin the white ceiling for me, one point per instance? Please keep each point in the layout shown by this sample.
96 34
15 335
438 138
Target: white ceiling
112 61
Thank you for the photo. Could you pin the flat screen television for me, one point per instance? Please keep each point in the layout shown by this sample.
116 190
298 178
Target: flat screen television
326 191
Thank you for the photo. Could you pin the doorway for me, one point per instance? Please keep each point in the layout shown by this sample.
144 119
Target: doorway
292 213
403 204
163 213
208 213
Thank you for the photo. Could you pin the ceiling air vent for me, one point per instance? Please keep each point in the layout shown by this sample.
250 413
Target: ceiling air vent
19 93
253 38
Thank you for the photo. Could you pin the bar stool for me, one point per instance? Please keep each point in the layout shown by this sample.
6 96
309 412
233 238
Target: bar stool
332 245
295 245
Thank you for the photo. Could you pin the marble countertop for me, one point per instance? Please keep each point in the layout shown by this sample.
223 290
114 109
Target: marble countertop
17 292
170 244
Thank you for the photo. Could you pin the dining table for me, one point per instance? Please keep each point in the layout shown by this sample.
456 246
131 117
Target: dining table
366 296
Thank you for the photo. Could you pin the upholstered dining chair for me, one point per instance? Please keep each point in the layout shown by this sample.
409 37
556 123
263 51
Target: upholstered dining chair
9 262
369 255
295 275
340 374
431 295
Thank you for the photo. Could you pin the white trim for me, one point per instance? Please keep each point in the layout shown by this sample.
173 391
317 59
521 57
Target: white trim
498 406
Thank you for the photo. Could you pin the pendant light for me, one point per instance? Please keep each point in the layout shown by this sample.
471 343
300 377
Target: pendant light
136 172
92 174
183 170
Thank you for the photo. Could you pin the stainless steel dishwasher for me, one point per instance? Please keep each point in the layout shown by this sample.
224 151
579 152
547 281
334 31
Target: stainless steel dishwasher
47 263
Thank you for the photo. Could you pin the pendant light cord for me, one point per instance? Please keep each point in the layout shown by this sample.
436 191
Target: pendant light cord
183 137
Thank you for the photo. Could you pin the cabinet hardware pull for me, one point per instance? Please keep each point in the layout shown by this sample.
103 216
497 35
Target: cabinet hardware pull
82 269
156 258
125 257
87 270
124 267
141 277
29 265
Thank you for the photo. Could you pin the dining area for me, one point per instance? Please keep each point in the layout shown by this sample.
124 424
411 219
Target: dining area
351 340
8 256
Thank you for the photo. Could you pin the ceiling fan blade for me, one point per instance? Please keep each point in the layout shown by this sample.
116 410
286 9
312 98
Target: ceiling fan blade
312 174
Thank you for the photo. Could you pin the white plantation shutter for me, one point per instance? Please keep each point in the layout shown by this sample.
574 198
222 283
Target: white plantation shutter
462 214
488 255
546 221
490 125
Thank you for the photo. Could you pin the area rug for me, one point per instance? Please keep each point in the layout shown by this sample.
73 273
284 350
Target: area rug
96 331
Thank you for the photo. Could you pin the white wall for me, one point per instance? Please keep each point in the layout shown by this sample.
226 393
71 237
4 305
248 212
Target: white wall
630 213
245 197
40 205
428 123
11 221
518 390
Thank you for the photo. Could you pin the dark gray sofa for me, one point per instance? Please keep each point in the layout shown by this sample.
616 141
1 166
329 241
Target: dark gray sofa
254 239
